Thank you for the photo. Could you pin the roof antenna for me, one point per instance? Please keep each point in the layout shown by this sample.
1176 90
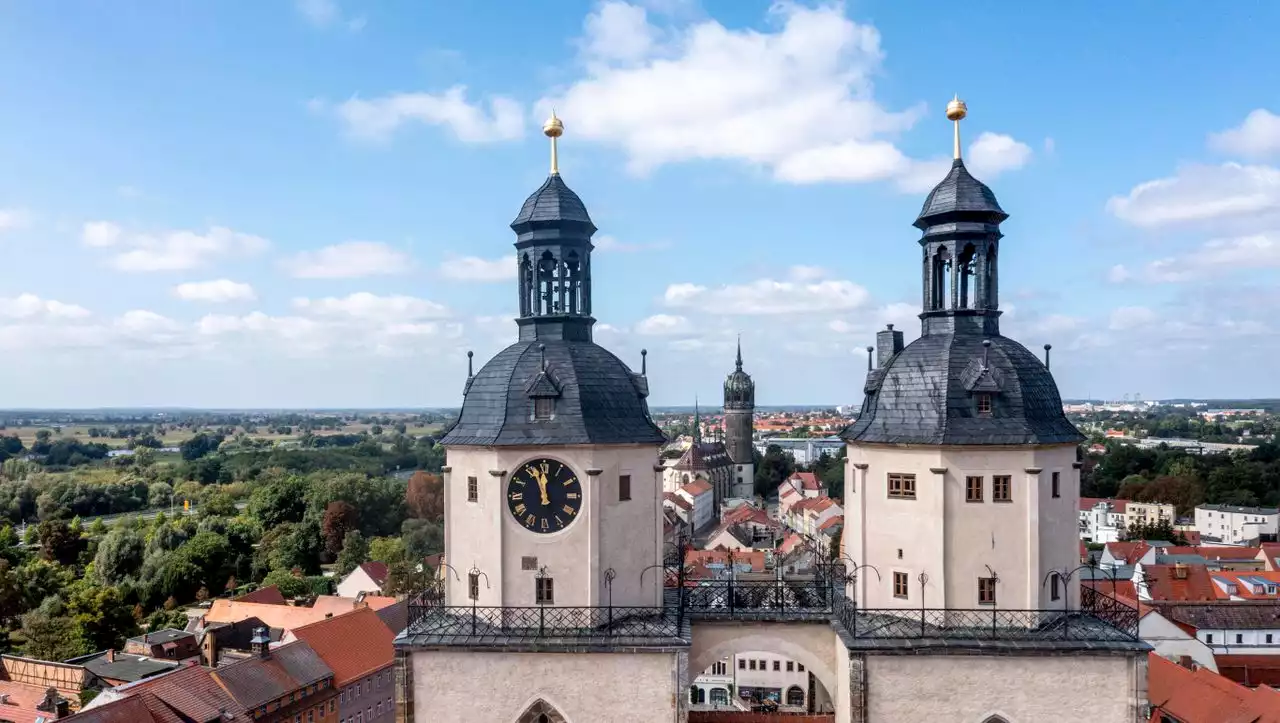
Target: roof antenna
542 349
986 354
1047 347
644 362
870 350
469 372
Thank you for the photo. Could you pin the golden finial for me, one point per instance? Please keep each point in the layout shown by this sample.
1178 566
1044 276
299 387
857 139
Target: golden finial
956 111
553 129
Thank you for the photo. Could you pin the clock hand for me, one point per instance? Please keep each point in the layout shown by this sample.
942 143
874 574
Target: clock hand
542 489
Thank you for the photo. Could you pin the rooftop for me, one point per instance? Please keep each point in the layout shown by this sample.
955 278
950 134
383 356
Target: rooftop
352 645
257 681
1240 510
1203 695
115 665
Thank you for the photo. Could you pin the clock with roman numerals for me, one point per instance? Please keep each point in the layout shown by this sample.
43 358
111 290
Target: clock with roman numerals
544 495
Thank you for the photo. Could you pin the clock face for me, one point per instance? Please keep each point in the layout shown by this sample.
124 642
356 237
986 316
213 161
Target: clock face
544 495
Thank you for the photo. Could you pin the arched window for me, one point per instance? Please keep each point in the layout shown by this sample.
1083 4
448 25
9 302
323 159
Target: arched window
966 269
995 719
697 695
795 696
541 712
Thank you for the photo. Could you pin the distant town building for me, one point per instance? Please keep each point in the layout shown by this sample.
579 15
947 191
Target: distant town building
708 461
739 427
368 577
804 450
1102 521
1234 525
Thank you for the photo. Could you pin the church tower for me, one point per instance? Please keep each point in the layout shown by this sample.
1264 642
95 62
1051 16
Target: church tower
552 497
739 427
962 483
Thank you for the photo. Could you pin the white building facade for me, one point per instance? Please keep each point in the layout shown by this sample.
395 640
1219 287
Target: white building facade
1233 525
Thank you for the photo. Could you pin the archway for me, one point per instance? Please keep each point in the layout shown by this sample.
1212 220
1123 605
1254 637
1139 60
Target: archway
795 696
812 645
541 712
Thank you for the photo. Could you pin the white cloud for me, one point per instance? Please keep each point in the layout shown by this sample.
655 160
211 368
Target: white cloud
1119 274
664 325
348 260
768 296
474 268
806 273
797 101
13 218
32 307
377 119
610 244
991 154
100 233
366 306
1201 193
1218 256
169 250
1257 136
217 292
1126 318
319 12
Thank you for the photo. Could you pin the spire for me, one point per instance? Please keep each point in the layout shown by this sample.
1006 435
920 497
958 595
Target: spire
553 129
739 361
697 422
956 111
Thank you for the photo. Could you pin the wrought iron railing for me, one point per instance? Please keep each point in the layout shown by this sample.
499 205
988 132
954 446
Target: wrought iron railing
1108 609
758 597
438 623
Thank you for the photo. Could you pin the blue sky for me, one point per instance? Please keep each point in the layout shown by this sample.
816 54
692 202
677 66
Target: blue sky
306 203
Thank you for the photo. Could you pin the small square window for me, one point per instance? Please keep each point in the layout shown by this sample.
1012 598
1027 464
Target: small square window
1239 638
473 489
973 489
984 404
902 486
1057 491
1208 638
900 585
624 487
753 664
1268 638
791 666
545 591
800 667
1002 488
899 553
544 408
986 591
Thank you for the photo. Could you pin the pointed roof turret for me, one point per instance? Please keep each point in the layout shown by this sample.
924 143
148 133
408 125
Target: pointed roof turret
959 197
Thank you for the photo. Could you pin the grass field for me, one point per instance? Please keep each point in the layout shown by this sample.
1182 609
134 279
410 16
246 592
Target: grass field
173 438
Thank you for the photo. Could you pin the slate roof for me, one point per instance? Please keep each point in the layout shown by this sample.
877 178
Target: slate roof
600 401
353 645
126 710
959 191
553 203
921 396
1224 615
187 694
257 681
126 666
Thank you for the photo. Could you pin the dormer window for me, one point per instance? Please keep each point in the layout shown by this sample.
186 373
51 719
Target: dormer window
984 404
544 408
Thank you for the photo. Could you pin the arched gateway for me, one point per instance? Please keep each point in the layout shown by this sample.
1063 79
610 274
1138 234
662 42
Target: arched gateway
960 505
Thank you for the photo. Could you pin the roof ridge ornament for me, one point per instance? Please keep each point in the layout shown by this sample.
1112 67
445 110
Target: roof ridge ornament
956 111
553 129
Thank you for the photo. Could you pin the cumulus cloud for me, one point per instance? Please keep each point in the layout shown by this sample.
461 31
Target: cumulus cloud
219 291
177 250
1201 193
367 306
497 118
797 101
1214 257
768 296
664 325
474 268
348 260
30 306
1257 136
13 218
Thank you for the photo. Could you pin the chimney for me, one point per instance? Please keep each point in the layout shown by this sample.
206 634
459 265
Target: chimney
888 343
1186 662
260 644
111 655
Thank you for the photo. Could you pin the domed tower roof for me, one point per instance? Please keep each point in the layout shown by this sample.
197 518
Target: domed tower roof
739 388
555 385
961 382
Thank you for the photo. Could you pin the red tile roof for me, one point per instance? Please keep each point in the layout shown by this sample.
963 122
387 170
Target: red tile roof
1164 583
21 701
1191 536
282 617
1203 696
1130 552
353 645
191 691
1215 552
831 522
1088 503
269 595
133 709
1250 670
697 487
377 571
744 514
378 602
1244 587
755 558
807 480
678 501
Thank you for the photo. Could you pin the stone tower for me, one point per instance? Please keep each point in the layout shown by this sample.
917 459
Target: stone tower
739 427
962 443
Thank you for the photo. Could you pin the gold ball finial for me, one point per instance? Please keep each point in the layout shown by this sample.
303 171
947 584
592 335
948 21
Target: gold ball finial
956 109
553 128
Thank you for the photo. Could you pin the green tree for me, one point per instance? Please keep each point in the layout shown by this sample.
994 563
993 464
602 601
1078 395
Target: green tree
355 550
774 467
166 619
422 537
1158 530
279 501
387 550
290 585
102 617
48 633
58 543
120 555
200 445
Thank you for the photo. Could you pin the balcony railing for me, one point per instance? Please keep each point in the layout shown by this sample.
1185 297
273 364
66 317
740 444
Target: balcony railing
438 624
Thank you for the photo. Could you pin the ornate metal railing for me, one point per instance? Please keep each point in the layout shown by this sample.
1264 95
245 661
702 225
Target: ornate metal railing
981 624
1110 610
438 623
759 597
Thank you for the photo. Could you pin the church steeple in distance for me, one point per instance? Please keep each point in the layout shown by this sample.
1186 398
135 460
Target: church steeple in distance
739 425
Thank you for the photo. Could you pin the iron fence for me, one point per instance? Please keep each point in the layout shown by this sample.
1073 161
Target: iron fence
1110 610
732 597
477 624
979 624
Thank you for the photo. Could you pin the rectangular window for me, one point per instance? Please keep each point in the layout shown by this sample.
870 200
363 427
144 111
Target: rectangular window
900 585
473 588
777 665
791 666
984 404
1239 638
473 489
800 667
1057 491
902 486
986 591
972 489
1208 638
753 664
1268 638
1002 488
1054 592
742 663
544 408
624 488
545 591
